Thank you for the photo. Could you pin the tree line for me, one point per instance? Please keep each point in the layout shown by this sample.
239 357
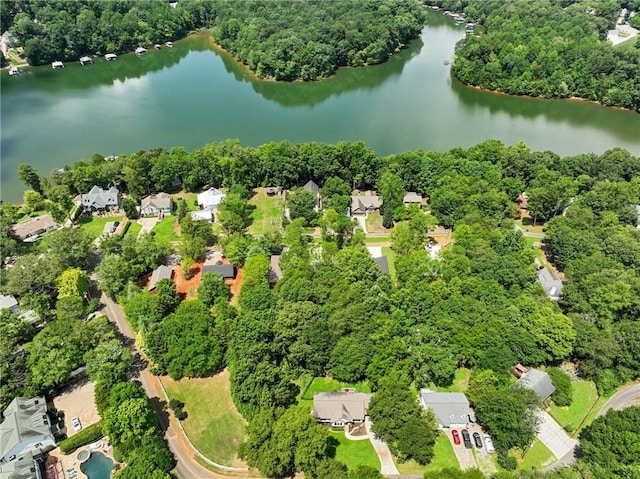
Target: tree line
548 48
281 40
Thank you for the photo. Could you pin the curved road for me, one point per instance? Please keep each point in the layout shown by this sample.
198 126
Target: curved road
187 467
624 397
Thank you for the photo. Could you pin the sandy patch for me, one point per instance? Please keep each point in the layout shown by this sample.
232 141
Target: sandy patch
77 401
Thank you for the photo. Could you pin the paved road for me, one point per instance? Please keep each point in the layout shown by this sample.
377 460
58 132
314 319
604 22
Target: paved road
625 397
186 465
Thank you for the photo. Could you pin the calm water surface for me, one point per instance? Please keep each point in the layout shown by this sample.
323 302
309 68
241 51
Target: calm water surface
190 95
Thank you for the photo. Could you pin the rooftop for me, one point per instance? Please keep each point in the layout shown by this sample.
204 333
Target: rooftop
340 406
539 382
449 408
228 271
160 273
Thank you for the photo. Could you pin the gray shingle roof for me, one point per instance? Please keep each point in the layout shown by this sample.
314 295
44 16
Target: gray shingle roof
312 187
340 406
228 271
449 408
539 382
160 273
100 199
25 419
161 201
552 286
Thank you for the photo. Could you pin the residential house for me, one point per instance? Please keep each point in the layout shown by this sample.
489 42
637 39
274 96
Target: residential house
227 271
26 430
362 205
275 272
101 200
210 199
450 409
412 198
552 286
340 408
314 189
156 205
539 382
24 467
31 229
160 273
9 302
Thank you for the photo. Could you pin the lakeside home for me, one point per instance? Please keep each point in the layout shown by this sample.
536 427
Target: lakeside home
110 57
57 65
141 51
86 61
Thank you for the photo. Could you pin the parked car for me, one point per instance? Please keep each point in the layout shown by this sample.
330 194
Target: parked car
466 439
456 437
477 440
489 444
75 422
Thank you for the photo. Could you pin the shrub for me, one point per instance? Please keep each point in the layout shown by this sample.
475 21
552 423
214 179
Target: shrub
563 395
508 462
86 436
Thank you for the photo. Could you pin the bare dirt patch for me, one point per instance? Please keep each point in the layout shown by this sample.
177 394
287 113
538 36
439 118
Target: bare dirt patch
77 401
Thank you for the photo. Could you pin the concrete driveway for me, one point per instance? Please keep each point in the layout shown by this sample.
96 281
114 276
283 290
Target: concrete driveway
147 225
464 456
388 467
554 437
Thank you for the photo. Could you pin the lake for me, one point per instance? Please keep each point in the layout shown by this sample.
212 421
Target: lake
191 94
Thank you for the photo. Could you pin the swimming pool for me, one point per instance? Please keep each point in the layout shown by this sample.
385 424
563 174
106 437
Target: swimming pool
97 467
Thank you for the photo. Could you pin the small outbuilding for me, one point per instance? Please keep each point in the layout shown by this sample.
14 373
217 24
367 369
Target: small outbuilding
141 51
57 65
552 286
110 57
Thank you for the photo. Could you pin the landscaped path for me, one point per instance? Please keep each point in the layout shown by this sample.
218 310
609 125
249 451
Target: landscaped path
383 452
186 465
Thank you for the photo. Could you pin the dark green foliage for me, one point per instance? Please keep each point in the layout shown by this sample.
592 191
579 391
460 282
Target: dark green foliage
178 409
611 443
542 49
364 472
212 289
507 461
168 297
88 435
455 474
563 395
130 208
301 204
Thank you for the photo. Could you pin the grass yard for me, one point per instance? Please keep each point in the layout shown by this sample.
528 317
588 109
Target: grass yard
443 458
591 415
213 424
93 226
354 453
377 239
537 456
133 230
391 260
460 381
526 223
571 417
190 198
374 223
164 229
268 212
539 254
326 385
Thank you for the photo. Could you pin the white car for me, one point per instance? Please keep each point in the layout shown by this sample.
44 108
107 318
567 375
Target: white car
489 444
75 422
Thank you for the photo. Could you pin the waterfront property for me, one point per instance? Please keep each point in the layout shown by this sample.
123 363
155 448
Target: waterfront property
110 57
451 409
156 205
341 408
86 61
98 199
141 51
210 199
57 65
31 229
314 189
363 204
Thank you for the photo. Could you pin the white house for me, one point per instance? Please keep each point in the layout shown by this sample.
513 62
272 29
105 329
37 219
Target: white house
9 302
210 199
154 205
99 199
26 430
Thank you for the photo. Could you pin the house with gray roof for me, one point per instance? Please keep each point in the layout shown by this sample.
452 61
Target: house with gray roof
24 467
160 273
26 430
314 189
34 227
9 302
275 272
227 271
155 205
539 382
552 286
365 203
340 408
412 198
450 409
101 200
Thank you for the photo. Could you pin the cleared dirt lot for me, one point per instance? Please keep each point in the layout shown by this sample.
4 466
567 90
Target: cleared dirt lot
77 400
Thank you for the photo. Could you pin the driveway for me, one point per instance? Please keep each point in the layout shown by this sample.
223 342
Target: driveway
554 437
147 225
383 452
464 456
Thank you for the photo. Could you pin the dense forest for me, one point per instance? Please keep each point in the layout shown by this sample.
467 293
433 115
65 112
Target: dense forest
277 39
333 312
548 48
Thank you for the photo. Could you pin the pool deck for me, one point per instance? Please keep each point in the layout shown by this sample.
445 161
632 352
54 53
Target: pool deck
71 464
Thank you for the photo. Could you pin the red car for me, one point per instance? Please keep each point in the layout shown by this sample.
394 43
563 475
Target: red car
456 437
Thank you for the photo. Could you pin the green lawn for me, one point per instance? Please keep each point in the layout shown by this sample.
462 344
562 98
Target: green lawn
592 414
213 423
374 223
443 458
537 456
133 230
94 225
268 212
391 259
460 381
190 198
538 251
325 385
164 229
584 397
354 453
526 224
377 239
